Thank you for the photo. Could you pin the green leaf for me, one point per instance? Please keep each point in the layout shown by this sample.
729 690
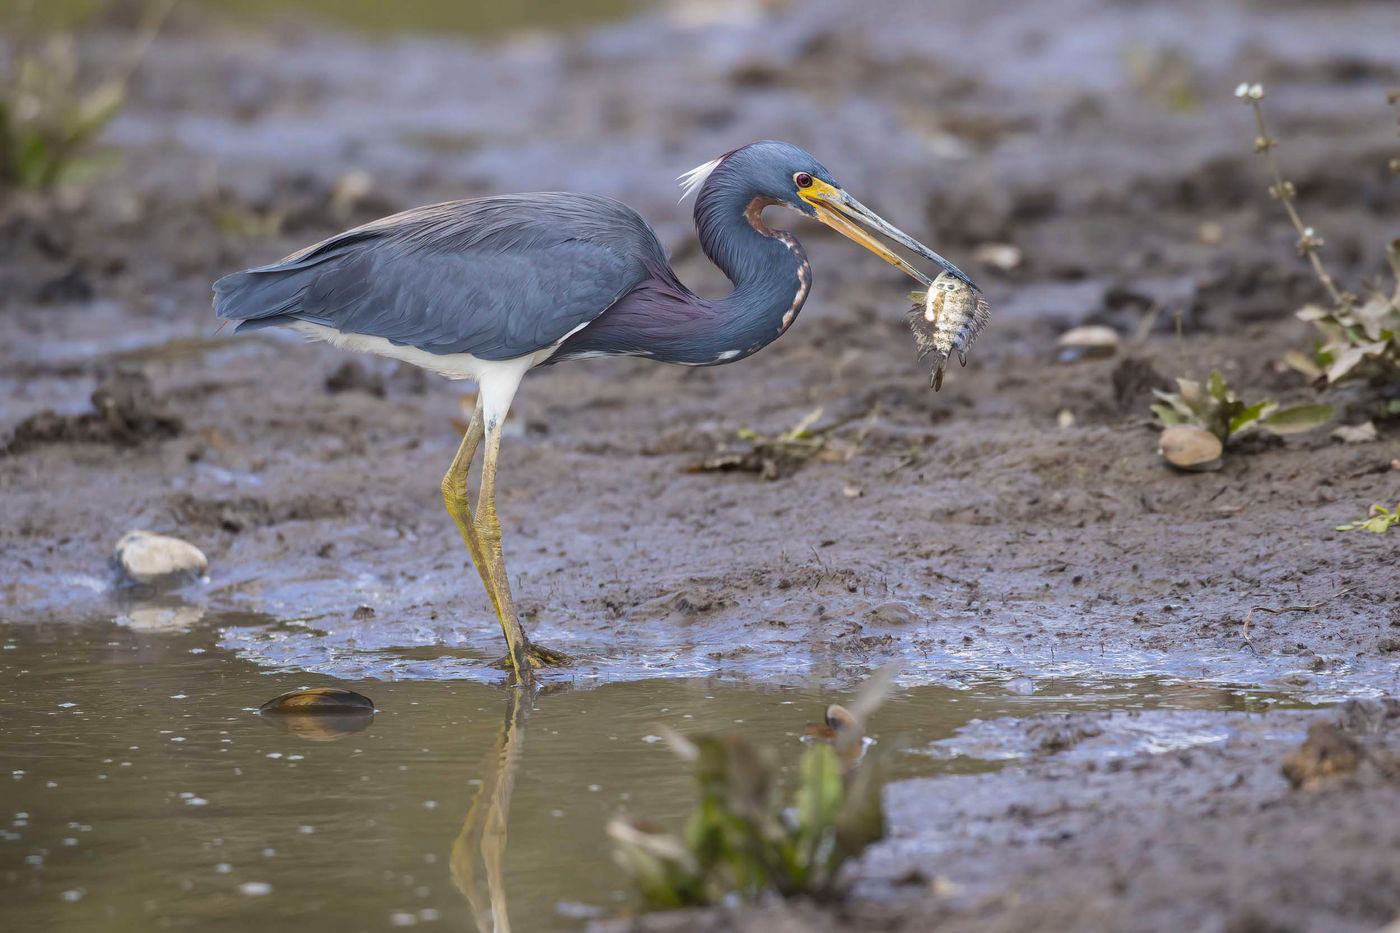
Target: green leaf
1225 413
1217 386
96 110
818 800
1184 412
1299 419
1167 415
1379 523
1250 415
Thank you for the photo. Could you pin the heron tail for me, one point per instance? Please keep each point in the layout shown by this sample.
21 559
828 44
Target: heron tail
269 295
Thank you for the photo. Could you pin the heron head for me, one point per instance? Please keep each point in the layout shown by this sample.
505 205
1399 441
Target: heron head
784 174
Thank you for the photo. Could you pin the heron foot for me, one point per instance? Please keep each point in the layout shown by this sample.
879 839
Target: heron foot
536 656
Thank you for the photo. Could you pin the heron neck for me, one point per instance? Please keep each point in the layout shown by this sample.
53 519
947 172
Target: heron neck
768 267
663 320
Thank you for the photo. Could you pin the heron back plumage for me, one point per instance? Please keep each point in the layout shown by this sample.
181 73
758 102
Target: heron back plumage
498 278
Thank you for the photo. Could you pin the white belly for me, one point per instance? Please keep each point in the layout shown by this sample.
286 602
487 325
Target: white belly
497 380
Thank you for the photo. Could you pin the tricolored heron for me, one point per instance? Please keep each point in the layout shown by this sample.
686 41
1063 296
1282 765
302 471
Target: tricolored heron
488 289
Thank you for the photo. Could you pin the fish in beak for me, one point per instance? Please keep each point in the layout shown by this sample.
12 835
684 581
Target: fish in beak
845 214
948 315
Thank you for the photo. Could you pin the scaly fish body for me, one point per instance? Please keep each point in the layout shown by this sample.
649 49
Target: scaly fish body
945 320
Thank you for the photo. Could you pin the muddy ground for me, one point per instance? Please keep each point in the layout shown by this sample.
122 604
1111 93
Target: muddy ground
1231 841
977 527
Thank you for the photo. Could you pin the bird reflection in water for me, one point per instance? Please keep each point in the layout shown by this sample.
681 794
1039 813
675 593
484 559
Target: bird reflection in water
484 829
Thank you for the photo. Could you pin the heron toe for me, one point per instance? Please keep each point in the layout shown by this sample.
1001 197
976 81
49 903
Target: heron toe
537 656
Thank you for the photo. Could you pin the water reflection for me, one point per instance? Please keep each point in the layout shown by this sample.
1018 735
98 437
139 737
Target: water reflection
152 796
484 831
321 727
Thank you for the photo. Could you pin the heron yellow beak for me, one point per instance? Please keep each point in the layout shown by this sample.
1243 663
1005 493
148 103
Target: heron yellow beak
842 213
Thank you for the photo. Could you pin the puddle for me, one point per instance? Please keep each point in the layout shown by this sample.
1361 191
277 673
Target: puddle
144 791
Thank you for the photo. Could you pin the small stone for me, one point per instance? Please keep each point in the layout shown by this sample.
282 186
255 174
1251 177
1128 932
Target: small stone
1087 343
1003 256
1327 755
1021 686
319 714
350 190
892 614
1190 448
318 700
146 557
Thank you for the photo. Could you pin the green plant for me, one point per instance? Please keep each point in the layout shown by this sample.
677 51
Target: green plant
742 839
1379 521
773 456
48 117
1215 408
1358 337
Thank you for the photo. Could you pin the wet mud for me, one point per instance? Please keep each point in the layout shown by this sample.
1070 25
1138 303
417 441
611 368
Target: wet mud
1210 837
1018 521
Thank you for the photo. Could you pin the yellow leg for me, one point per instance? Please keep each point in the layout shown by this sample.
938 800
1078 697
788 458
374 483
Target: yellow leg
459 506
482 534
524 656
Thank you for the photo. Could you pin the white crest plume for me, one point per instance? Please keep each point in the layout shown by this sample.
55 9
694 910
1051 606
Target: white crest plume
693 179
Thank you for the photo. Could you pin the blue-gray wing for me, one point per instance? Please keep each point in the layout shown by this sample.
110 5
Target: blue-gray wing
494 277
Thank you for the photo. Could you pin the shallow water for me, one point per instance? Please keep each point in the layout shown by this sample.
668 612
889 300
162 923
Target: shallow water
144 792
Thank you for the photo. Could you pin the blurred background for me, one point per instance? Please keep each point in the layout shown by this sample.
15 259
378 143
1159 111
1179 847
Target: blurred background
1097 141
1086 161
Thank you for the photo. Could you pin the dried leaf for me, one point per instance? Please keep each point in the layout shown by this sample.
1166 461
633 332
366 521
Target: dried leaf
1350 358
1363 433
1302 363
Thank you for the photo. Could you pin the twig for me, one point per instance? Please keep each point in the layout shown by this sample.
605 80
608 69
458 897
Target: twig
1249 616
1281 190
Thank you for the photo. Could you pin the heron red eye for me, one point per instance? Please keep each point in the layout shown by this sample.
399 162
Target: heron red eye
803 180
